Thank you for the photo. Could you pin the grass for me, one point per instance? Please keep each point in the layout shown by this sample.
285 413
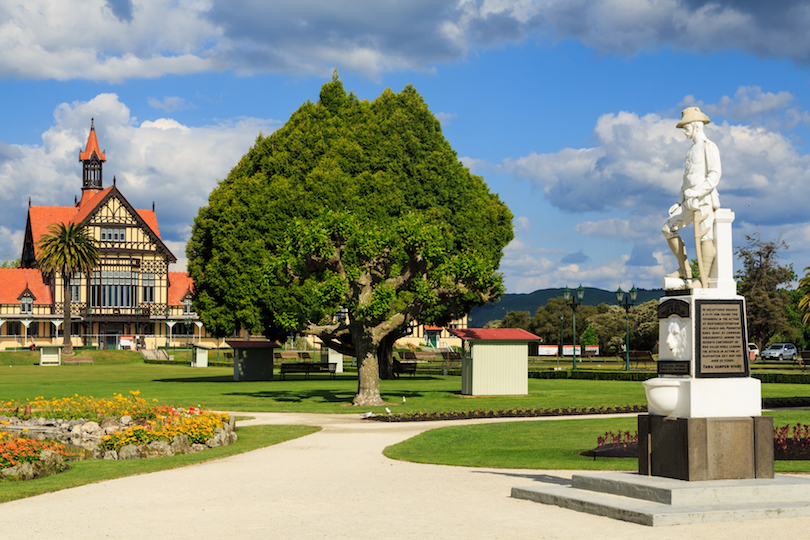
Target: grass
554 444
214 388
96 470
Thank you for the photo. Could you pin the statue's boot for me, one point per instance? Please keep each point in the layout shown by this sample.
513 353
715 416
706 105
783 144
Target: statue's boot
709 252
678 248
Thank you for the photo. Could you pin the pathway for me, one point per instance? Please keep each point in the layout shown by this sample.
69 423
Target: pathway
334 484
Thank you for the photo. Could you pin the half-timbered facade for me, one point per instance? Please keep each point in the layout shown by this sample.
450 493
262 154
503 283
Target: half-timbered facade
131 292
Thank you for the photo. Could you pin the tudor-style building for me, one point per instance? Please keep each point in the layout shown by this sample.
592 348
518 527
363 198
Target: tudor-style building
130 292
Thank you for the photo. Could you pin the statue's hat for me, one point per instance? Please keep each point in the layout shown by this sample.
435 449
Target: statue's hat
692 114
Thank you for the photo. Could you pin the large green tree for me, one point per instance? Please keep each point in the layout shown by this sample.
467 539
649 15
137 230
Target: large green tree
759 282
65 249
352 222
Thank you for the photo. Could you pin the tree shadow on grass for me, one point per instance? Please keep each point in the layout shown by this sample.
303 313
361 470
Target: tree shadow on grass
313 396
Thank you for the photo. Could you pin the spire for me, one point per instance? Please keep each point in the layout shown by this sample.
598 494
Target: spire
92 158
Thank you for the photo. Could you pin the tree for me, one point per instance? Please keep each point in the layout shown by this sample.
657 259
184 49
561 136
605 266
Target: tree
351 222
804 302
759 282
589 336
67 248
516 319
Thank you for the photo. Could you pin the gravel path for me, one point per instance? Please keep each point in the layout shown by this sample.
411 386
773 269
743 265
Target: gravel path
334 484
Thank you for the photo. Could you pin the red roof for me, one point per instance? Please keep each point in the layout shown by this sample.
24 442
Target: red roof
179 284
433 328
43 217
92 146
494 334
13 282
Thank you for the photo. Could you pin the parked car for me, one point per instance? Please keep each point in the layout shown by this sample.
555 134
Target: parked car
780 351
752 348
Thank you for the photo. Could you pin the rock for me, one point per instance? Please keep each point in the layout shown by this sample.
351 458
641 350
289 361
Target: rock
108 422
180 445
76 429
91 427
130 451
197 447
49 457
110 454
126 419
232 437
26 471
10 471
157 449
219 439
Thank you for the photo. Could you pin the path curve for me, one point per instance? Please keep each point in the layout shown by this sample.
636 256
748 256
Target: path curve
334 484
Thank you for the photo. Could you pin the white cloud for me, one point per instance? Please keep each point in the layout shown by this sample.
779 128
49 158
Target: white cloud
445 118
175 166
122 39
633 174
522 223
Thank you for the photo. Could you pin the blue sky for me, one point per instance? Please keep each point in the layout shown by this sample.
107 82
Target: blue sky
567 108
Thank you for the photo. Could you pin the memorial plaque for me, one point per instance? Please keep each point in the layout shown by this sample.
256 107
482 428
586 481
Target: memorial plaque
720 346
673 307
673 367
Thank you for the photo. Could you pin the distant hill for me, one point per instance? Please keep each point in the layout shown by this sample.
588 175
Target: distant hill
530 302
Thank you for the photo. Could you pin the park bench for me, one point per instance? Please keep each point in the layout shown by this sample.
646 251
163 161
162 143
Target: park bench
451 356
404 367
285 355
641 356
802 359
78 360
307 368
407 356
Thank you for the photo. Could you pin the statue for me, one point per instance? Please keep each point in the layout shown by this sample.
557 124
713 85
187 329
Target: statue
697 202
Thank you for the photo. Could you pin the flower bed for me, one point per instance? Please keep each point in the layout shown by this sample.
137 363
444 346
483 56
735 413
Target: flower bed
426 416
123 427
789 443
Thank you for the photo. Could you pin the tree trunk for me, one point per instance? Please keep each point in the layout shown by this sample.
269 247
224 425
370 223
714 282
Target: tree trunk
67 343
385 356
368 373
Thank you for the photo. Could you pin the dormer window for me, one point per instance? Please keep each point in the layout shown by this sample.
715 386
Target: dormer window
109 234
187 305
26 305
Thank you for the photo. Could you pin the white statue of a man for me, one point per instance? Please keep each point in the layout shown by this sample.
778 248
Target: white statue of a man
698 199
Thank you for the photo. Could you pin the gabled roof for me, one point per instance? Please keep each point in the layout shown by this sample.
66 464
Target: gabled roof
42 217
14 281
493 334
92 146
180 284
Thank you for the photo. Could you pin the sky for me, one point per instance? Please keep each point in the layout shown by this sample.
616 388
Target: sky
566 108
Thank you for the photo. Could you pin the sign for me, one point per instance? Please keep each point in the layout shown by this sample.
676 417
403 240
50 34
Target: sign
720 333
673 307
673 367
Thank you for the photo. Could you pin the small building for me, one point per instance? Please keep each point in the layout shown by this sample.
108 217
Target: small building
252 360
497 363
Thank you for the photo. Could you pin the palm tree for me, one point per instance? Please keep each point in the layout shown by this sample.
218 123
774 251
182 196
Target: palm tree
69 248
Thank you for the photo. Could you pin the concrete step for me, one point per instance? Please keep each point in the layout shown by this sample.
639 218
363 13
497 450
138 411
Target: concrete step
656 501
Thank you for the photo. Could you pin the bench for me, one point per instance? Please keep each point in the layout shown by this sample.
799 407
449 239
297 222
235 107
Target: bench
307 368
78 360
404 367
802 358
641 356
451 356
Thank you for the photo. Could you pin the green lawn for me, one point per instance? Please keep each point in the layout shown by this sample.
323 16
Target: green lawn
553 444
214 388
96 470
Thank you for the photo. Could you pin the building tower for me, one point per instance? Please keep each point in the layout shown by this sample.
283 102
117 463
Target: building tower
92 158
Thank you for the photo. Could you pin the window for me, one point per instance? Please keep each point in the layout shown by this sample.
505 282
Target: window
112 288
27 305
148 288
113 234
75 284
186 306
13 328
33 329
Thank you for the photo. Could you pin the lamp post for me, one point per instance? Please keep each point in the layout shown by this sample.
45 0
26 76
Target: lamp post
626 301
576 301
90 313
560 348
138 320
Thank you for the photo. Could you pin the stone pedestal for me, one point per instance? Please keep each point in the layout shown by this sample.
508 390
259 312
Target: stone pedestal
705 448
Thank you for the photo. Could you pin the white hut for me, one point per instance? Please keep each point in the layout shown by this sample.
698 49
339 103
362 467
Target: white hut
498 363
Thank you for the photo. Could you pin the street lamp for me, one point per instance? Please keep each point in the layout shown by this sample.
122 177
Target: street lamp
576 301
626 302
560 348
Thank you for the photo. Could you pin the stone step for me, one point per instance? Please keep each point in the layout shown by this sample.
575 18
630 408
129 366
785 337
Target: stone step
640 499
